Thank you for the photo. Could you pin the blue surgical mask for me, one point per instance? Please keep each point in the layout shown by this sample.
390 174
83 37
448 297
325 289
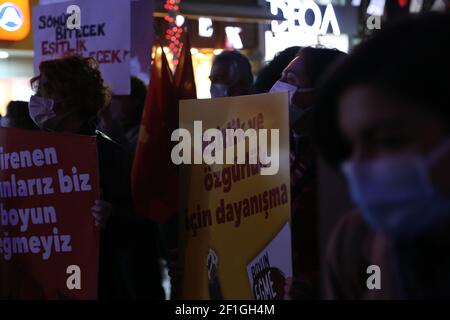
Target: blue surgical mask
219 90
396 195
41 110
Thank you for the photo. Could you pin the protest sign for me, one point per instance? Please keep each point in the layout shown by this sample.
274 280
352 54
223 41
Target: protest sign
48 240
236 240
104 34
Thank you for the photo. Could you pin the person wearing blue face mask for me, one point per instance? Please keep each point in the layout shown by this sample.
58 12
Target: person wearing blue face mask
386 127
299 80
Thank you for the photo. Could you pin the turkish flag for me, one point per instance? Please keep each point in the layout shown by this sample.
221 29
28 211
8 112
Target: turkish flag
154 176
184 74
402 3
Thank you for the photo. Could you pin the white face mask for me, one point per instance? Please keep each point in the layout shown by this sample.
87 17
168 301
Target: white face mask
219 90
41 110
295 113
43 115
281 86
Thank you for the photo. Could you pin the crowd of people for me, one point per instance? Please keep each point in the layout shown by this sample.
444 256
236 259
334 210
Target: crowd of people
379 116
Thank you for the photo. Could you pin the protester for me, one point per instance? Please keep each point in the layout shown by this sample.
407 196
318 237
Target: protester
121 120
272 71
70 93
384 122
231 75
300 79
17 116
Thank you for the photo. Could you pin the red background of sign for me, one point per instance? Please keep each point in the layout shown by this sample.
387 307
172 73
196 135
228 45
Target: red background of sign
27 276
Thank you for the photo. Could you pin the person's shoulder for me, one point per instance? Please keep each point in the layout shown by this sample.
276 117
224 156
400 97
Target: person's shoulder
351 230
346 252
350 241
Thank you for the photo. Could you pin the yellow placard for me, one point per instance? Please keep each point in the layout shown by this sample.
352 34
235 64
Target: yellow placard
235 221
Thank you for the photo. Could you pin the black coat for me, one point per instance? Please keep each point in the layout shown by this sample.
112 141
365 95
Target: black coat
129 265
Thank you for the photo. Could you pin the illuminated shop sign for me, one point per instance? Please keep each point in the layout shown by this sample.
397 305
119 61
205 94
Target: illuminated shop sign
303 16
14 19
233 37
308 23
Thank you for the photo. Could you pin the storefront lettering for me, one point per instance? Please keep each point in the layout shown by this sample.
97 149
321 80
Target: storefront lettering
294 11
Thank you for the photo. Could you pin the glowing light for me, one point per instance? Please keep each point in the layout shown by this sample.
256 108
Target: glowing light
174 30
205 27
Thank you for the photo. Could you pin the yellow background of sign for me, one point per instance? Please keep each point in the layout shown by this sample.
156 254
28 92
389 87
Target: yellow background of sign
235 247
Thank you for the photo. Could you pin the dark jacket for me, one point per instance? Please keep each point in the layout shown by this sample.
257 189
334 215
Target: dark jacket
412 270
129 256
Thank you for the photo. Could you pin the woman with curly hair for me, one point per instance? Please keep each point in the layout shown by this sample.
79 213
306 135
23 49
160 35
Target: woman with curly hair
70 93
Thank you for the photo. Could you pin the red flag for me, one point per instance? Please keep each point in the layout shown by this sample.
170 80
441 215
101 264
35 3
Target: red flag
154 176
184 74
402 3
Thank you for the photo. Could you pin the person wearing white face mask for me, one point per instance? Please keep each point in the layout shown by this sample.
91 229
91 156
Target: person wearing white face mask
299 80
231 75
388 133
69 95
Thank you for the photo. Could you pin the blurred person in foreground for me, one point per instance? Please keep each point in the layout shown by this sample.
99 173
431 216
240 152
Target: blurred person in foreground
383 120
70 93
17 116
231 75
300 79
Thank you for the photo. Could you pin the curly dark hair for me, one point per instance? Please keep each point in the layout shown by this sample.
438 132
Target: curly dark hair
76 81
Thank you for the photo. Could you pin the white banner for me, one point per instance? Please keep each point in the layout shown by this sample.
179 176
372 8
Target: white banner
104 34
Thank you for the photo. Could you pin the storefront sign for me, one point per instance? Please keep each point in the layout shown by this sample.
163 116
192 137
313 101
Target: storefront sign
306 23
205 27
14 19
295 12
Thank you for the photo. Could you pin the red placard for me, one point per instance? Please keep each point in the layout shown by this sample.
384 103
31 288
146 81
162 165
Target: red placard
48 241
